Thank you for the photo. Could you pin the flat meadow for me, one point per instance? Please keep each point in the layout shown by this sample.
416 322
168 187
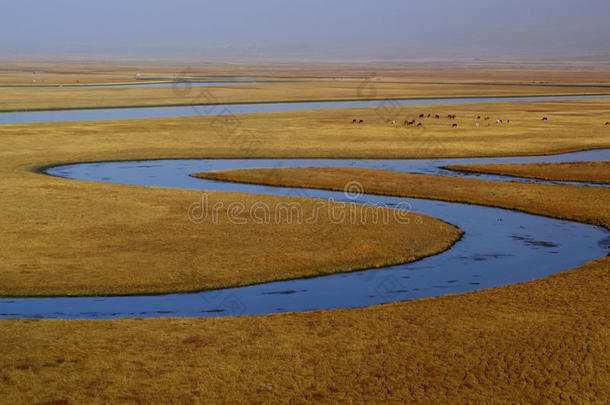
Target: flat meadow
541 341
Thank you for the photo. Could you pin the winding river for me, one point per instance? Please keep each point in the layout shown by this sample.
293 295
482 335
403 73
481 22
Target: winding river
201 96
499 247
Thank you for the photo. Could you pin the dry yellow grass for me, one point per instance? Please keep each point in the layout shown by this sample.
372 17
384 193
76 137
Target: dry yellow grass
103 226
553 200
543 341
515 72
564 171
572 125
68 97
304 83
86 238
126 240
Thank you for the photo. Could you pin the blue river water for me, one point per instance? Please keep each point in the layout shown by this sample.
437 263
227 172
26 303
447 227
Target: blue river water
499 246
205 108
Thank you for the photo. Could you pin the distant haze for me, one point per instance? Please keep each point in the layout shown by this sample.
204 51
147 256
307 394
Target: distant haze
312 29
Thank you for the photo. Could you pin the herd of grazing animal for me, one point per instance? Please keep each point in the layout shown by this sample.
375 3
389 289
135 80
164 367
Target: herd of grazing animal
414 122
450 116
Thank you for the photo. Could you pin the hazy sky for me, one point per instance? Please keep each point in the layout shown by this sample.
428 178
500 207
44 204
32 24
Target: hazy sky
312 28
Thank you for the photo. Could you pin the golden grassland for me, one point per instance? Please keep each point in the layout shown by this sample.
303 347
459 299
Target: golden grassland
542 341
558 171
69 97
98 227
101 71
572 125
292 83
553 200
124 240
86 238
